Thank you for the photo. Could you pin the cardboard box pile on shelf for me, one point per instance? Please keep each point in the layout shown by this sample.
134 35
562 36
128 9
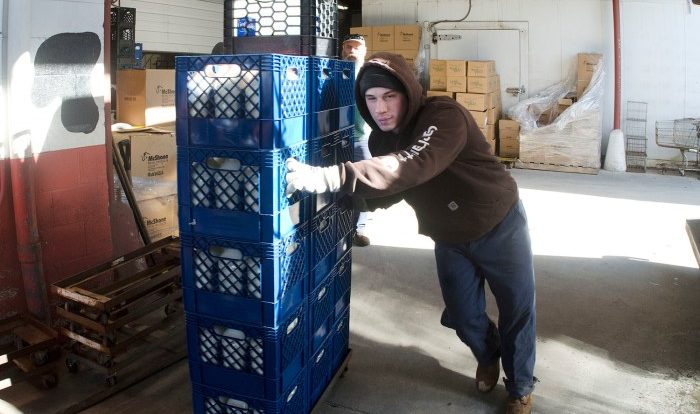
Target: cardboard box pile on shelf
146 97
586 66
150 158
403 40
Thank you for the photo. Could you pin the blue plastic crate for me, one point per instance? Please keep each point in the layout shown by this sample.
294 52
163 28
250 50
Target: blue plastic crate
212 400
341 338
324 92
346 116
239 194
346 216
321 305
258 283
319 371
342 274
325 266
255 101
322 154
324 236
344 146
255 361
345 82
306 27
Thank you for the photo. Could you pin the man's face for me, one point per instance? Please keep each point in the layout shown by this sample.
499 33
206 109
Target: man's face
387 107
354 50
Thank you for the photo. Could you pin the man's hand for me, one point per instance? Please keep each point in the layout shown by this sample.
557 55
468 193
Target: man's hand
311 179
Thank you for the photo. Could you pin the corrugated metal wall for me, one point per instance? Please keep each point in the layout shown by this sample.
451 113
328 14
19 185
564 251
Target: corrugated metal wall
180 26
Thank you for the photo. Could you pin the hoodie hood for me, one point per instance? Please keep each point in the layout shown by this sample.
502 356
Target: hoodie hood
399 68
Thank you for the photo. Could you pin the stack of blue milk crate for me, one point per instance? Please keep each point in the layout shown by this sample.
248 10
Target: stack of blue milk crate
266 277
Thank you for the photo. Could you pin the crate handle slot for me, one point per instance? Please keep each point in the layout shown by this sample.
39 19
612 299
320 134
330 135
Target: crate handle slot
321 294
340 325
347 74
320 355
219 163
323 225
233 403
326 73
232 333
225 252
293 74
292 393
292 248
341 269
224 70
344 143
293 324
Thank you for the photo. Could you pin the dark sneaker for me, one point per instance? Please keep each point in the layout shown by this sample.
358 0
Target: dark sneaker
360 240
522 405
487 376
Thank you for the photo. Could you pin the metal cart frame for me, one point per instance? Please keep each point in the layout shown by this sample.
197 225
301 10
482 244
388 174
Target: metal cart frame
684 135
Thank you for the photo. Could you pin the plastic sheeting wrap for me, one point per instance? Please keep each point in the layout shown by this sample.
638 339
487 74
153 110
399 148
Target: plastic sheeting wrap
574 137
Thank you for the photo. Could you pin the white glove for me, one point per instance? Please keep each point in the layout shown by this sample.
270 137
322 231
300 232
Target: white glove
311 179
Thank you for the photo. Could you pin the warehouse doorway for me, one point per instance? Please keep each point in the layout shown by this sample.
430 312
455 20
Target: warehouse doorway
504 42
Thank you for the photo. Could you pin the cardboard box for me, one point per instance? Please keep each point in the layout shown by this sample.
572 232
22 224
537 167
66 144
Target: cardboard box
508 129
482 68
581 86
480 118
409 55
489 132
441 93
407 37
491 117
483 85
492 143
456 83
437 67
366 32
586 65
160 216
456 68
509 147
438 83
476 101
383 38
146 97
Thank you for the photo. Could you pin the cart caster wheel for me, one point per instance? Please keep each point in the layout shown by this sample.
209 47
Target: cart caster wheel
169 309
111 381
49 381
39 358
105 360
72 365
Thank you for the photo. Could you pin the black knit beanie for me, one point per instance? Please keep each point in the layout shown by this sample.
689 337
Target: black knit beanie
376 77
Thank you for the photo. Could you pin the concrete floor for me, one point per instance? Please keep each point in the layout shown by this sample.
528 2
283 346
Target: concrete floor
618 328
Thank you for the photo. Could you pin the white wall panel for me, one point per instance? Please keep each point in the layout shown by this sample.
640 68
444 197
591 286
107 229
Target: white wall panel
181 26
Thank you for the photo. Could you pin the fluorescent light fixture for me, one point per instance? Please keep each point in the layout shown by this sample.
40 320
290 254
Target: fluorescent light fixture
341 7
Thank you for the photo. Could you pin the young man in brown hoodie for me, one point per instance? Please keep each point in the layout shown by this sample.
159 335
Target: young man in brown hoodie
430 152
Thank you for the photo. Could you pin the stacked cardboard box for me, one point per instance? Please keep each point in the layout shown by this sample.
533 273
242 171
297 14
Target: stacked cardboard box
586 66
403 40
150 159
508 138
146 97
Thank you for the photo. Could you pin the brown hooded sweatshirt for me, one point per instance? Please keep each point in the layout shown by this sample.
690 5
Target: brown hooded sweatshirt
439 162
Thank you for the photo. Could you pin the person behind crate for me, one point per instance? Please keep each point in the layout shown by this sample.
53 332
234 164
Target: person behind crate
431 153
354 49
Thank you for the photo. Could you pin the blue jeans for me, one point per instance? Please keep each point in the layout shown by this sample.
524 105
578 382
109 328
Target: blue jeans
503 258
361 152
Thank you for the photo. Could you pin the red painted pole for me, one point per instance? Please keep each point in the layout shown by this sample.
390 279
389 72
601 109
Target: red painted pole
28 241
618 58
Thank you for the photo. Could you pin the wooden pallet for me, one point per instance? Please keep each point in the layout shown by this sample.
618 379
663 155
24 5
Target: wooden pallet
556 167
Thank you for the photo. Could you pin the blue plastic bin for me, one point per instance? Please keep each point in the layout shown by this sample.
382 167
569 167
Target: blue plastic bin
341 339
213 400
321 312
254 101
258 283
255 361
239 194
319 370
